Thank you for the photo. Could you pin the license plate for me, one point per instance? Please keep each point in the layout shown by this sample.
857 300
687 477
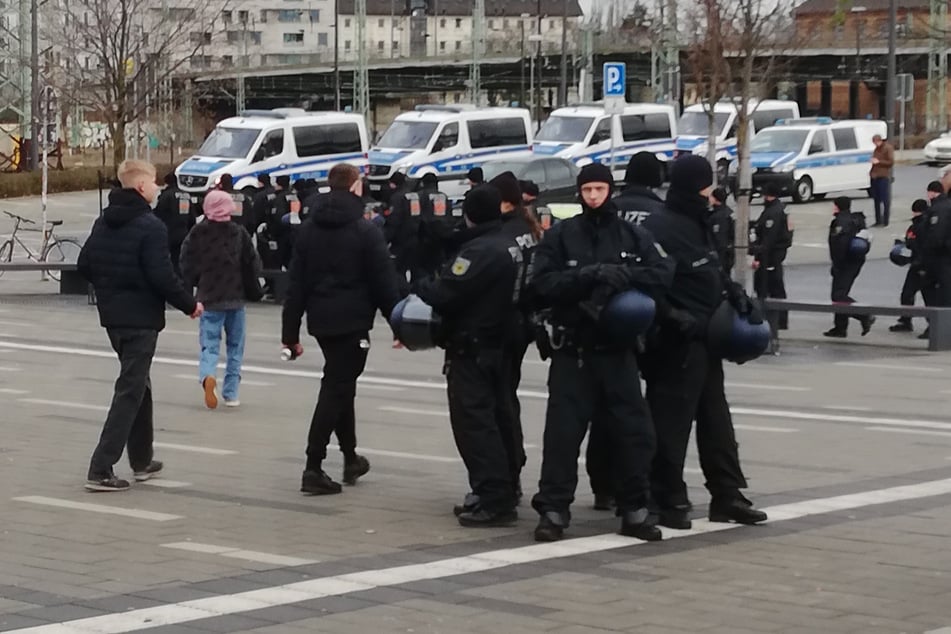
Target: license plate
375 188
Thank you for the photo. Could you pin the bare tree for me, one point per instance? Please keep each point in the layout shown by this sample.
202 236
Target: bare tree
116 54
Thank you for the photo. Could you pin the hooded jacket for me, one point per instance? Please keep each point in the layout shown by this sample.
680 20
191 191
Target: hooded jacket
214 258
845 225
340 273
126 259
637 202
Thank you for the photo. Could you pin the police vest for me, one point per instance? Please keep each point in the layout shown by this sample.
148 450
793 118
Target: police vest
239 201
184 203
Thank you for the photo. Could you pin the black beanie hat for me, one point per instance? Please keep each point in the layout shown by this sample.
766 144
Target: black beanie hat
508 187
429 180
645 169
530 188
595 173
772 189
398 179
920 206
691 174
844 203
482 204
476 175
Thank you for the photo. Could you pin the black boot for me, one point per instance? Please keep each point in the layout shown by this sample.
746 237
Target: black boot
603 502
735 509
676 517
640 524
901 326
867 324
551 527
926 334
316 482
354 468
482 518
836 333
469 504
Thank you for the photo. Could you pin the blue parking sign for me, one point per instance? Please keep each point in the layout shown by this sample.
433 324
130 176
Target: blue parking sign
615 79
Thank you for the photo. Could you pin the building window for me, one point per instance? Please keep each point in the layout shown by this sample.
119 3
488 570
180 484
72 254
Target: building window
199 38
505 24
200 61
288 15
442 45
458 23
243 17
226 17
346 45
458 45
381 46
255 37
491 24
396 45
294 38
551 25
227 60
442 23
315 15
322 39
264 15
346 23
380 23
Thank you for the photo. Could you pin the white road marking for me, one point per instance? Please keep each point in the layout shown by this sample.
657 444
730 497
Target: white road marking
287 594
8 390
410 410
923 432
848 408
889 366
67 404
162 483
840 418
6 368
778 430
237 553
194 378
98 508
400 454
212 451
763 386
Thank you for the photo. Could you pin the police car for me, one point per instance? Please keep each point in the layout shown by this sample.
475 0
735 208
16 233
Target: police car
448 141
288 141
584 133
809 158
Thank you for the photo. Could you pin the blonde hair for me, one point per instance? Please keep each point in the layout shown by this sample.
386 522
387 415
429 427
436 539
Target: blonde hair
131 171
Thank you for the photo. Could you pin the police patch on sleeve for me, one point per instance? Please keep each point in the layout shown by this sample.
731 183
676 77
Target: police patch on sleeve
769 224
460 266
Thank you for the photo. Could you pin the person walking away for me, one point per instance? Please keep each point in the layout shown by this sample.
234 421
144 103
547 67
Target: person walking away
435 226
174 209
916 276
473 295
684 379
341 274
401 226
771 237
475 177
579 265
126 259
723 227
638 200
846 264
242 204
219 258
883 162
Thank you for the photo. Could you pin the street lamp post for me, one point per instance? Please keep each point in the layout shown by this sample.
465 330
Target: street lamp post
337 55
890 88
521 64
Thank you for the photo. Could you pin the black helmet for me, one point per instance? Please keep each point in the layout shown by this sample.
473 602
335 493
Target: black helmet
732 337
415 324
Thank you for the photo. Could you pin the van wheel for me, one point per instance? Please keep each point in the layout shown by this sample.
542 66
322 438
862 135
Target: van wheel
802 193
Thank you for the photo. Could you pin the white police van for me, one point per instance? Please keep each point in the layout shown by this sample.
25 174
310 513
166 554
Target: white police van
809 158
448 141
288 141
694 125
583 134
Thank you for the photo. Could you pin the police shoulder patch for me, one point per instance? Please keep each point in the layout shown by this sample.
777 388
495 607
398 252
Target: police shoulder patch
769 224
460 266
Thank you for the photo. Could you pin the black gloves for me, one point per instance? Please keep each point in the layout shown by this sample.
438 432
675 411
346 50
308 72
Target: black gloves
745 306
685 323
615 276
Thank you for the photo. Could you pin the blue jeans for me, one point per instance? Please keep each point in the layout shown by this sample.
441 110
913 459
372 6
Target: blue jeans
882 195
209 336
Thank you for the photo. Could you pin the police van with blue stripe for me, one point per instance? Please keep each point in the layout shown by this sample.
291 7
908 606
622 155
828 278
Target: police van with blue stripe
448 141
810 158
694 127
291 141
583 134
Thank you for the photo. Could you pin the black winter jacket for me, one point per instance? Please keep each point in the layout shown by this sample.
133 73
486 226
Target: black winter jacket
773 237
723 227
844 226
341 272
174 209
636 202
126 259
214 258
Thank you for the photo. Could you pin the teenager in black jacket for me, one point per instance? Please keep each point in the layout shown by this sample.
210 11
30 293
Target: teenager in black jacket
340 275
126 260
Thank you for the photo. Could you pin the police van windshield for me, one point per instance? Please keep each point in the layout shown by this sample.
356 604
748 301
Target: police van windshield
776 140
698 124
565 129
232 143
408 135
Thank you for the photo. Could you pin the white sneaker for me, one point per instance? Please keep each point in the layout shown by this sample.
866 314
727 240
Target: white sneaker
234 403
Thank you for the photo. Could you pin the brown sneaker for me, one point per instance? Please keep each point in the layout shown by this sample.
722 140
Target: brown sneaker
211 398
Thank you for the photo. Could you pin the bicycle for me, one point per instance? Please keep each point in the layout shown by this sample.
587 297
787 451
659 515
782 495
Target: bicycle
53 250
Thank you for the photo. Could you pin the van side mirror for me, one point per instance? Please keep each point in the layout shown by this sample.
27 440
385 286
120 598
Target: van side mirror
815 149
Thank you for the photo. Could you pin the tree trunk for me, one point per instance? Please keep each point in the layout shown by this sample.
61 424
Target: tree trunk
712 142
744 177
118 143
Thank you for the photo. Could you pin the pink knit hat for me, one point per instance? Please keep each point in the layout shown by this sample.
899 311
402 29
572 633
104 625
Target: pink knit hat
218 206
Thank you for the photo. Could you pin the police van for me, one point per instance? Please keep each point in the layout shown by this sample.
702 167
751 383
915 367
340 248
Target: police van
448 141
694 127
301 144
583 134
809 158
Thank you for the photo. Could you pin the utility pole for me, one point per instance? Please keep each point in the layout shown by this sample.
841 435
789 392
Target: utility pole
34 80
937 105
892 68
563 86
521 63
538 66
361 74
337 55
478 44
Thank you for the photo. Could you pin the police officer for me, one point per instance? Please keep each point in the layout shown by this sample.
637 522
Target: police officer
846 264
174 210
473 295
242 205
936 245
684 380
401 226
262 206
476 177
530 193
723 226
916 276
435 225
287 206
637 200
770 240
579 264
